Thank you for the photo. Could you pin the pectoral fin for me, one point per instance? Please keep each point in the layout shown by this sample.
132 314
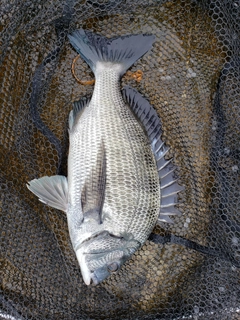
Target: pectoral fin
51 190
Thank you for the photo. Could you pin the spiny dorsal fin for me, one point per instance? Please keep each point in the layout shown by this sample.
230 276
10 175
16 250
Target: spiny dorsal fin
75 113
51 190
148 116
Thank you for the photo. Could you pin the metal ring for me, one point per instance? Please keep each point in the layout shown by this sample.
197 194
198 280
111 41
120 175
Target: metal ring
85 83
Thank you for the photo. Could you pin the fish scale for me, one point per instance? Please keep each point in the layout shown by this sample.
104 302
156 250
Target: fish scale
119 185
130 176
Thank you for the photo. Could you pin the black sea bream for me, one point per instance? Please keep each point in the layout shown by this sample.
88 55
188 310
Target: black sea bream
119 185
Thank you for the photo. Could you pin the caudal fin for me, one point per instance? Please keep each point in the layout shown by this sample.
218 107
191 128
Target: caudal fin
124 50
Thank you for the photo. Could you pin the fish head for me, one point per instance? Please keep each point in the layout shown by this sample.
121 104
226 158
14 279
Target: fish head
104 255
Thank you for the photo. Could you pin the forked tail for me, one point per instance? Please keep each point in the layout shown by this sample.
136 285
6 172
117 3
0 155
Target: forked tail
124 50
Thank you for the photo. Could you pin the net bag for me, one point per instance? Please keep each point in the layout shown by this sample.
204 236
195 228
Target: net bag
186 270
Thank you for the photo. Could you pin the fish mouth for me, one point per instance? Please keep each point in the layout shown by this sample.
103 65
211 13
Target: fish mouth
101 273
86 273
91 277
88 276
81 257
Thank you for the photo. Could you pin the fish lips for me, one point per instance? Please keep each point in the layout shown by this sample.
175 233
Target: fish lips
117 249
86 273
85 251
82 257
99 274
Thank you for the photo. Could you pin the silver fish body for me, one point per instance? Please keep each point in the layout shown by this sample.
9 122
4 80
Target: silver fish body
113 196
108 131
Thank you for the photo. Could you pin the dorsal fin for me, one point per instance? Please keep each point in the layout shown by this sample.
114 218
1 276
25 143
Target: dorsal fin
78 107
148 116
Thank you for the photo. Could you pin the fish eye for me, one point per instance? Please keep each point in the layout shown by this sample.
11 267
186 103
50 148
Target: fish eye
113 267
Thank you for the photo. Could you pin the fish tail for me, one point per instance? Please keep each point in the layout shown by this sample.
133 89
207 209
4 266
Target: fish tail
123 50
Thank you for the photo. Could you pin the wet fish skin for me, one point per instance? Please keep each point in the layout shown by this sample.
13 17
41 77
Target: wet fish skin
107 129
112 193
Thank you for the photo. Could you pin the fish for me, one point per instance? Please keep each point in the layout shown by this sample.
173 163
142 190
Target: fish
119 185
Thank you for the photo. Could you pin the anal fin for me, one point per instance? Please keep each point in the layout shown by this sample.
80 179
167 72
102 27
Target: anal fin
52 191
